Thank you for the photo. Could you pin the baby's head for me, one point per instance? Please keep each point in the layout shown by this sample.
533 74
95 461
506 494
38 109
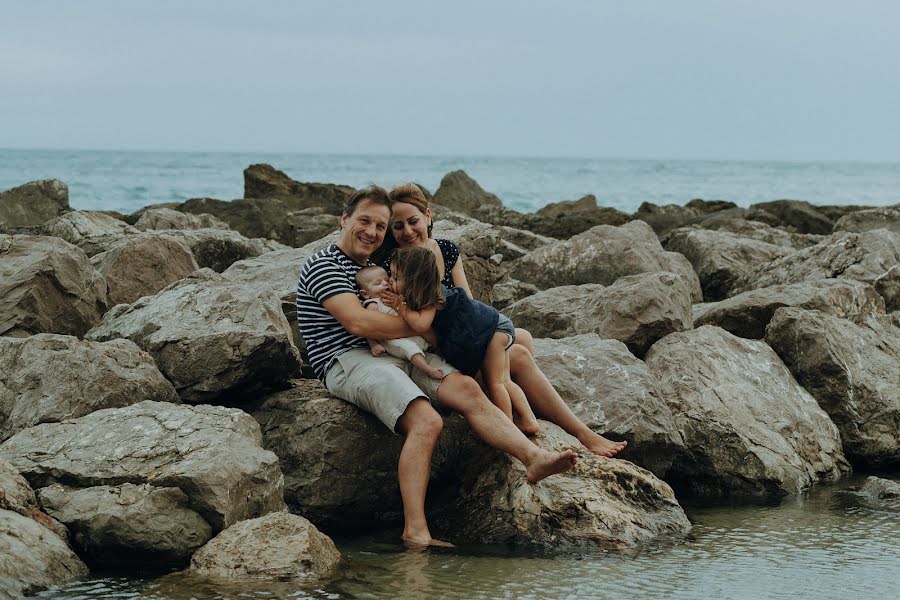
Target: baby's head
372 282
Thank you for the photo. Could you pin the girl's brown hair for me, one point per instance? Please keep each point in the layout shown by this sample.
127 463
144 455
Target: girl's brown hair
422 283
408 193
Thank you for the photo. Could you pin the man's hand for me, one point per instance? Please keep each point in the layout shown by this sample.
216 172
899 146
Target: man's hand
392 300
377 349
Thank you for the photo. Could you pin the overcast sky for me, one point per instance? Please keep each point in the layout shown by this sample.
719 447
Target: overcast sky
785 79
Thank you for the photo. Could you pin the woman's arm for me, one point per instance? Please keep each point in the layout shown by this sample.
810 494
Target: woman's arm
458 273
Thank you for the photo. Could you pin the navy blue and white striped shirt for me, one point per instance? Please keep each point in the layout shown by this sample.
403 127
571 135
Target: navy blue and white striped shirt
326 273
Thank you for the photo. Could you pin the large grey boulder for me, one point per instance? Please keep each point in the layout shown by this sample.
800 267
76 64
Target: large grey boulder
853 371
47 378
510 290
209 336
218 249
18 497
32 558
264 181
606 503
800 216
872 257
564 219
141 265
602 255
478 243
762 232
746 315
721 258
883 217
748 427
47 285
31 205
210 453
613 392
128 525
168 218
461 193
636 310
92 231
278 546
883 493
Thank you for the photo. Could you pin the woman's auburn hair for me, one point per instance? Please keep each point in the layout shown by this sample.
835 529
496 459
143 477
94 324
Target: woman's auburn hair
407 193
421 280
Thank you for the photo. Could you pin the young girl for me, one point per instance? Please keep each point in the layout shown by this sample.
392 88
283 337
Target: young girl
472 336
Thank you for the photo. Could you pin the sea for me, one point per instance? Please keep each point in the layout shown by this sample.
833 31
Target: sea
124 181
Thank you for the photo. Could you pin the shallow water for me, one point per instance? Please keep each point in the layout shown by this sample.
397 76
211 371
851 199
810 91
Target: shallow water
828 543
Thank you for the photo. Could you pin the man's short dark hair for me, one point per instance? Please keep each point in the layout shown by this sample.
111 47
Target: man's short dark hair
374 193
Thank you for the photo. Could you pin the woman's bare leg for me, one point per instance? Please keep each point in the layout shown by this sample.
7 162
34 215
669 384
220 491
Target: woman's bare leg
525 339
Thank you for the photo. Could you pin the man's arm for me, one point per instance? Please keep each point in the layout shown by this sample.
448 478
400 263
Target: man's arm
349 312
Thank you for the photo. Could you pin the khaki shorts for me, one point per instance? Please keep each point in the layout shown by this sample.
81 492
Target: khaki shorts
382 385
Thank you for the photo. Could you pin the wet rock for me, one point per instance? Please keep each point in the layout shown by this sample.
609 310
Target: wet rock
853 371
210 337
746 315
218 249
564 219
211 453
47 285
614 394
141 265
92 231
32 204
721 258
168 218
32 558
636 310
17 496
764 233
47 378
885 217
883 492
800 216
748 427
871 257
279 546
602 255
127 526
264 181
606 503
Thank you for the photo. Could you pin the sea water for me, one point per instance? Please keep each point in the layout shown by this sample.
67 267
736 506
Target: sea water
127 180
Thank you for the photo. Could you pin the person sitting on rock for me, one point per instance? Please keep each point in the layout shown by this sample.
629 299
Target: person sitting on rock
334 324
373 282
472 336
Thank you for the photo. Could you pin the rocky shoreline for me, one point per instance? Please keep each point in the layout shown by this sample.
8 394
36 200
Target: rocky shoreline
156 407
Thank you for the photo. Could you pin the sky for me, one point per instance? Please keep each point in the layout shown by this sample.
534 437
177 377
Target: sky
761 79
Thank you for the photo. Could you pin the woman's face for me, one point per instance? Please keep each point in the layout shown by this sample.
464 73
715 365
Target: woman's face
409 225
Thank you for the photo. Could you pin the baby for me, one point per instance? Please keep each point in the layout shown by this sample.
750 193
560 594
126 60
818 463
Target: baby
373 282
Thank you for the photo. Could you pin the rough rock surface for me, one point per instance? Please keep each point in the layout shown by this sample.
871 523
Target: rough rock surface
32 204
461 193
141 265
47 285
853 371
477 242
884 217
606 503
210 337
340 463
264 181
92 231
801 216
17 496
884 492
721 258
168 218
510 290
748 427
47 378
278 546
746 315
602 255
637 310
564 219
218 249
764 233
32 558
614 394
128 525
211 453
872 257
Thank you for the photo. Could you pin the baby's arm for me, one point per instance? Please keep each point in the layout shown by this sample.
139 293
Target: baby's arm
374 345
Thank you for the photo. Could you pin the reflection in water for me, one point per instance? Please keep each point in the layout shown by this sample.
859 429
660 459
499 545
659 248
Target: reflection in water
826 544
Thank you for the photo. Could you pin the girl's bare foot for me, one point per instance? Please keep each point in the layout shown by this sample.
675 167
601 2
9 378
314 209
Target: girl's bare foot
425 542
527 424
601 446
547 463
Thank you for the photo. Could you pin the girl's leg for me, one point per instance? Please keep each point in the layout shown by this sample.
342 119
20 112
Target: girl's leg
492 371
524 417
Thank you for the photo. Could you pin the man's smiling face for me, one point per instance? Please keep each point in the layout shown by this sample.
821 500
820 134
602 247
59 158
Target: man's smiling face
363 231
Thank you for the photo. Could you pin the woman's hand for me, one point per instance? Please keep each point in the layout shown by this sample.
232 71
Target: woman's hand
391 300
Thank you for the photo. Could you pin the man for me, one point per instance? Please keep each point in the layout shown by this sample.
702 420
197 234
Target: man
335 326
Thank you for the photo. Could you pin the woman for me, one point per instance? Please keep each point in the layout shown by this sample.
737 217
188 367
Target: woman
411 225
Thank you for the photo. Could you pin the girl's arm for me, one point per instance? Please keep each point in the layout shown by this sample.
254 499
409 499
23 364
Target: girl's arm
419 320
458 273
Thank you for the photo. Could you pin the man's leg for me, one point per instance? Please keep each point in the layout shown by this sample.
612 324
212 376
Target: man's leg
548 404
463 395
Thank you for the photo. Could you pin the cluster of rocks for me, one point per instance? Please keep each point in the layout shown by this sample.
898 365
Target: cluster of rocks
156 407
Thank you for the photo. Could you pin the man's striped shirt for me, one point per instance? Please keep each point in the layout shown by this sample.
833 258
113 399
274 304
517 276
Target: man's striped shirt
326 273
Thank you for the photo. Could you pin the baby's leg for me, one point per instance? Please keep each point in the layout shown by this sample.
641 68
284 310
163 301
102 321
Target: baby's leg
420 362
495 372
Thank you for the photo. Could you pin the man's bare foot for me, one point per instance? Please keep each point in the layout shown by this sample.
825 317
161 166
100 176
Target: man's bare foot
422 543
601 446
550 463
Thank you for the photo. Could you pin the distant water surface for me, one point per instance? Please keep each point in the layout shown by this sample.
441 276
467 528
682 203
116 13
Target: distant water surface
126 181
